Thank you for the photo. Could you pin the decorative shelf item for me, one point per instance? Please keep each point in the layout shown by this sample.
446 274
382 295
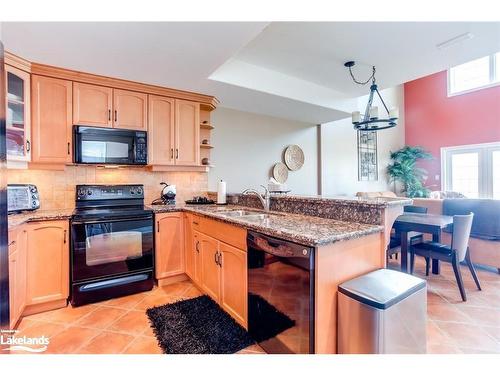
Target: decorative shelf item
206 125
294 157
280 172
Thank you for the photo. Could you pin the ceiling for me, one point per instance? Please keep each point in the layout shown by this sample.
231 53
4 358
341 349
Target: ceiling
401 51
284 69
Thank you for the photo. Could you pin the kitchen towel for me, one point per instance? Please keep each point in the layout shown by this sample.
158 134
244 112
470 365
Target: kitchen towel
221 192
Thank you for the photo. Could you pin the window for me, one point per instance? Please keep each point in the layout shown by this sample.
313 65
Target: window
472 170
474 75
465 173
496 174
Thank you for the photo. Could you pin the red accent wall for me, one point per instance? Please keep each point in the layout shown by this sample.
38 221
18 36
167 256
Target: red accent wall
432 120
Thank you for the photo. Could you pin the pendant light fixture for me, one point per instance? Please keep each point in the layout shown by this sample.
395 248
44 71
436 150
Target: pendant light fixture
370 121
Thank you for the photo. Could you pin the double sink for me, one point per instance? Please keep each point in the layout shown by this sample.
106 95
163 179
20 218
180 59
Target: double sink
246 215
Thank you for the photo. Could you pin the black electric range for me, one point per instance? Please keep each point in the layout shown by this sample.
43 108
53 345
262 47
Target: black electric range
112 243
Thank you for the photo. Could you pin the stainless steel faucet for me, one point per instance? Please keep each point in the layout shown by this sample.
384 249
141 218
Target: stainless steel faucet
265 201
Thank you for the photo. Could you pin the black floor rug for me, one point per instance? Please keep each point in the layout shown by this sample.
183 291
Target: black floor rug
200 326
197 326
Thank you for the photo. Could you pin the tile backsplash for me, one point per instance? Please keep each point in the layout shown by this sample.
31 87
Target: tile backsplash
57 188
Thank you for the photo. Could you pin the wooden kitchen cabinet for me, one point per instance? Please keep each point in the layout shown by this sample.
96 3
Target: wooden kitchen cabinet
196 253
187 133
189 246
102 106
233 282
210 270
161 130
130 110
223 272
18 119
17 274
92 105
51 120
169 249
47 265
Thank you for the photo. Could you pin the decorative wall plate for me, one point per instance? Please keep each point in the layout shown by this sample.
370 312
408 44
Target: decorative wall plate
280 172
294 157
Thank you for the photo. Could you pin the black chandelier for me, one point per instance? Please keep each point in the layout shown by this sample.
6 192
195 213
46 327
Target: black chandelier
370 120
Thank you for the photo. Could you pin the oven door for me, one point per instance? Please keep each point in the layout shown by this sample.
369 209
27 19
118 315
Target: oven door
104 146
112 247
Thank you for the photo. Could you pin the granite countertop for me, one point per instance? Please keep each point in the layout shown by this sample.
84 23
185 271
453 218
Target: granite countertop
39 215
306 230
358 201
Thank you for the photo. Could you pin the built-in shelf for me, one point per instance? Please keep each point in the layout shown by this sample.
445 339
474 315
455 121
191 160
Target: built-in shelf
206 126
206 146
8 127
15 100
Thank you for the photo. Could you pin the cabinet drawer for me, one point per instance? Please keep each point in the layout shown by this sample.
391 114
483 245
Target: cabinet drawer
230 234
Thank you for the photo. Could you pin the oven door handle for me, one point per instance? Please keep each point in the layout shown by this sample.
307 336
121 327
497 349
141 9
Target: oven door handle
111 220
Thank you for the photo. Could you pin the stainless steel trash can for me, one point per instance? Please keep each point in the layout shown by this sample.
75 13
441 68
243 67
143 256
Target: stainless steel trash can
384 312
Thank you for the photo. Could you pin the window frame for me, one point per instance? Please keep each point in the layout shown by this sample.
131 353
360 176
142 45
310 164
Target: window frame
485 165
493 75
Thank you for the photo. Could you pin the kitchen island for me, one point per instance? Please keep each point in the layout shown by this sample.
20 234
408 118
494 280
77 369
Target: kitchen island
343 248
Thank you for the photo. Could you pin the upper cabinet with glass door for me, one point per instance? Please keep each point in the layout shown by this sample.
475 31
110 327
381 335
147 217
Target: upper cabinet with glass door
18 114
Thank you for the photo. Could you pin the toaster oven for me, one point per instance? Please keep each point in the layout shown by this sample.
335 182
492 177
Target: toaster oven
22 197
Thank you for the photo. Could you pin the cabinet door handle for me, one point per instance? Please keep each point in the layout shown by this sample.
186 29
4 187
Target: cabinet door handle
197 246
64 241
220 260
171 153
195 223
116 115
28 146
158 226
216 256
68 149
109 114
177 153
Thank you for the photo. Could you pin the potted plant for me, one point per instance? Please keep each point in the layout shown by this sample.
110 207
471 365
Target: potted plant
404 170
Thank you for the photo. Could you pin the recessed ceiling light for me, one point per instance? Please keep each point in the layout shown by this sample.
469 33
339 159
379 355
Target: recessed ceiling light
455 40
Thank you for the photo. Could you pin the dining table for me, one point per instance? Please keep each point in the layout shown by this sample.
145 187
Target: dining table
422 223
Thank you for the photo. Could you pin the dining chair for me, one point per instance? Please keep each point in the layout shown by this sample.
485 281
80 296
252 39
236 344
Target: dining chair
413 237
455 253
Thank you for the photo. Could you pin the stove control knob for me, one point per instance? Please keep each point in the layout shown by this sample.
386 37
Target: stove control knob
89 192
81 192
139 191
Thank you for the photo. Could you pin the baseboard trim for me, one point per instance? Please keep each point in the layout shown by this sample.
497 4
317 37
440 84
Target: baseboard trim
172 279
46 306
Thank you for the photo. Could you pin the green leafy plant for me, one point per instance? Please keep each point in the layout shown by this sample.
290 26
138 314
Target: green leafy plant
404 169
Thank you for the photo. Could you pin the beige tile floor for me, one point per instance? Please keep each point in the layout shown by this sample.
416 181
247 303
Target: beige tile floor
121 325
454 326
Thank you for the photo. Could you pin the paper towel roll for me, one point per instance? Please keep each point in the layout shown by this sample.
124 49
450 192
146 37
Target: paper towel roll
221 192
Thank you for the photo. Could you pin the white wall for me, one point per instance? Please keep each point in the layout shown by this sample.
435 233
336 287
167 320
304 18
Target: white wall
247 145
339 150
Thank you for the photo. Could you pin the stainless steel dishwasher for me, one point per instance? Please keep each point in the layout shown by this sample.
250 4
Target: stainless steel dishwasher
280 294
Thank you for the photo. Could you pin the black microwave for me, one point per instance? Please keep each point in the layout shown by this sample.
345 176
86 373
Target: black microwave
93 145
